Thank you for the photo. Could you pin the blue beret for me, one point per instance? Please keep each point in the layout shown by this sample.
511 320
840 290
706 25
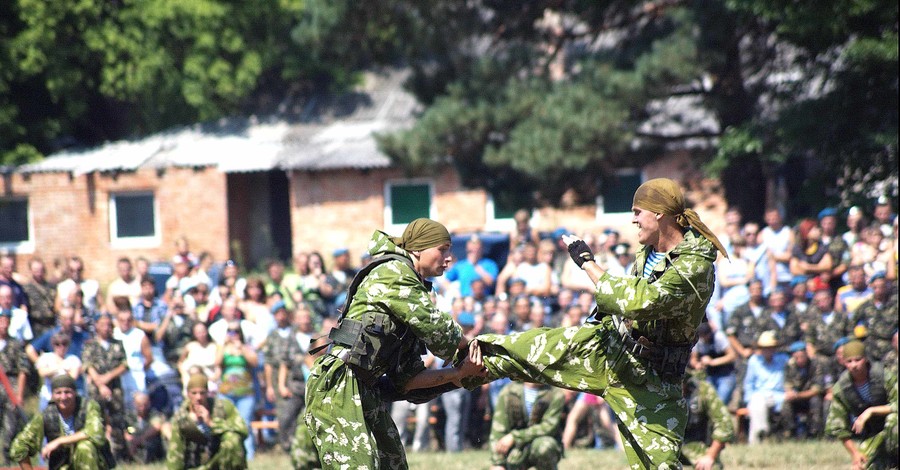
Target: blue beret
841 342
340 251
278 306
797 346
466 319
827 212
558 233
878 275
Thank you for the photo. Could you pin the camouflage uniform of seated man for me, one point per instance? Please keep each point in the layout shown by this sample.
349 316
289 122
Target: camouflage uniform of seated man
207 433
634 349
388 320
709 425
74 430
863 413
526 431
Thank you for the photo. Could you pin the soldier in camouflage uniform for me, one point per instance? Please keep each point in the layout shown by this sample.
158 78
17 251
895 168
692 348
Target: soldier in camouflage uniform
41 299
709 425
104 360
745 325
282 350
826 327
15 365
863 414
387 324
74 430
634 349
804 380
207 433
526 430
879 316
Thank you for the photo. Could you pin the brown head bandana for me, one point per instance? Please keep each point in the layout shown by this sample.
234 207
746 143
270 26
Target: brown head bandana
663 196
422 234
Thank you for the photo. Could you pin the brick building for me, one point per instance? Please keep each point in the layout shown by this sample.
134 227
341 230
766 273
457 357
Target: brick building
251 190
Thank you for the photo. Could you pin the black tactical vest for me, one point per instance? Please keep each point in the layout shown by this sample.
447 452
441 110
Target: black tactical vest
53 429
697 429
856 404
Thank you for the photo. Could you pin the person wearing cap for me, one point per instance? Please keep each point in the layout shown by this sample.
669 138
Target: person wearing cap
339 277
764 385
73 428
879 315
803 391
388 320
207 431
104 363
837 246
710 427
634 349
287 405
863 414
473 267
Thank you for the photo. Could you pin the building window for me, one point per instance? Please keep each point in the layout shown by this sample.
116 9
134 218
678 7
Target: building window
617 191
133 219
406 201
15 231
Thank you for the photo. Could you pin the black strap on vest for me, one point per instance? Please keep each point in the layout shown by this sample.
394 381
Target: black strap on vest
347 333
52 429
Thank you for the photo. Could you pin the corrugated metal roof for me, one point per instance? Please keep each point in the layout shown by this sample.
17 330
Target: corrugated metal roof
332 133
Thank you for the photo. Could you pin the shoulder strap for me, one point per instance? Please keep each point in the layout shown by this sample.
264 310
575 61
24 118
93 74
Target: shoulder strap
361 275
354 285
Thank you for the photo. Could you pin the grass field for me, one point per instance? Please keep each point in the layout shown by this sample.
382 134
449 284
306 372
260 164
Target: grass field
818 455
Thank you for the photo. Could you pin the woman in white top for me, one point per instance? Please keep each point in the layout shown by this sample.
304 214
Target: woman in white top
734 276
59 361
200 352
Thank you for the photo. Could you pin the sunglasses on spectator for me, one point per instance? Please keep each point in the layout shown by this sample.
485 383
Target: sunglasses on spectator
60 344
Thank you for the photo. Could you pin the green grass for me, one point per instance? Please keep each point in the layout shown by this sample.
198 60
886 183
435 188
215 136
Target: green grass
818 455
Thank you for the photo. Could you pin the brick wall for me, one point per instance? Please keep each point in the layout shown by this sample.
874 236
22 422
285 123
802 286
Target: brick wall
70 214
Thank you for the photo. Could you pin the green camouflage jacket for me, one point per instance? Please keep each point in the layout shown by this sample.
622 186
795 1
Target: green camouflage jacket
708 417
823 336
846 404
881 322
29 442
808 378
670 305
104 360
509 417
394 289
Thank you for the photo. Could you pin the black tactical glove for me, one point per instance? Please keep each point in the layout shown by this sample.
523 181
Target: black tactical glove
580 252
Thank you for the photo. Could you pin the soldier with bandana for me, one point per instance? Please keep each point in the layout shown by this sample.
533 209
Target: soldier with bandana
863 414
634 349
73 428
525 431
709 425
388 320
207 432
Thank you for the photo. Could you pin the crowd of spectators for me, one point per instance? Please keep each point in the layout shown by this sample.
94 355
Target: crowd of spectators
786 299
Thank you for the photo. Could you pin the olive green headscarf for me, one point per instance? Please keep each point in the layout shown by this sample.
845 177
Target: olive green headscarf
422 234
854 348
663 196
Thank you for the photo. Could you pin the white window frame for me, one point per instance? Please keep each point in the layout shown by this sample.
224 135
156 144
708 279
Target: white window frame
24 246
152 241
388 204
617 218
491 223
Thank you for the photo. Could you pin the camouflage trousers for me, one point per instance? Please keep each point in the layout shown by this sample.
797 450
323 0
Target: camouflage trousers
693 451
230 455
651 412
303 452
86 457
113 416
349 423
12 420
543 452
881 450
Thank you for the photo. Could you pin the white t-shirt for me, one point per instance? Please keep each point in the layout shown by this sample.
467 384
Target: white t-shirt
19 326
64 365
